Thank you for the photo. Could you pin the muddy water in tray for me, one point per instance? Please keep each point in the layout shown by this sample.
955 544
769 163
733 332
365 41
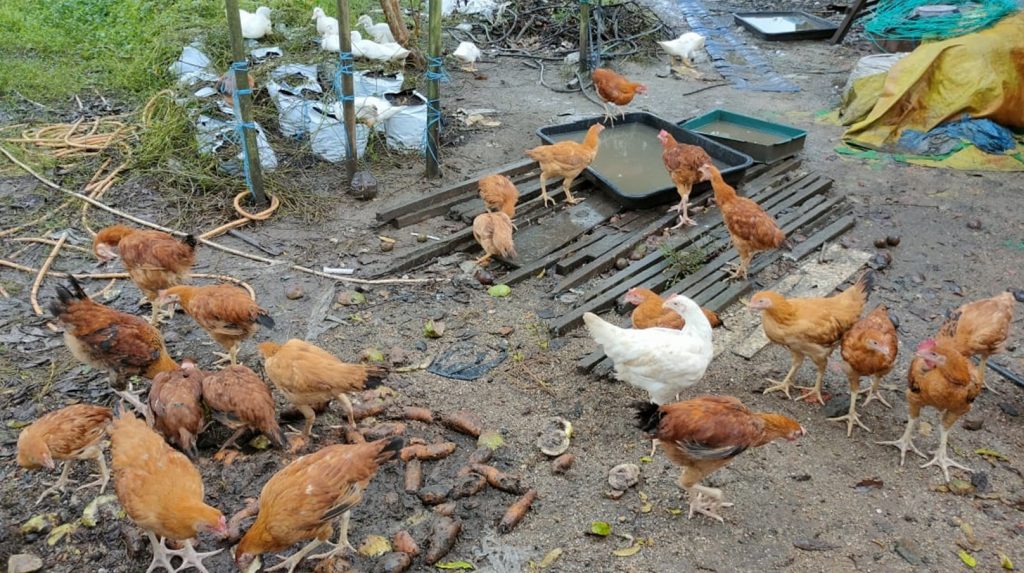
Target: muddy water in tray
629 158
739 133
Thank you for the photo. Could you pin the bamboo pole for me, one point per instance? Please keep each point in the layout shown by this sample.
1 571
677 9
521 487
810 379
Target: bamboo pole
434 90
254 173
584 37
348 103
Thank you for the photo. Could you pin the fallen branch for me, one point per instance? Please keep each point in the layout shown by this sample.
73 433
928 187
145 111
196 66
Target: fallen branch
51 242
34 296
206 242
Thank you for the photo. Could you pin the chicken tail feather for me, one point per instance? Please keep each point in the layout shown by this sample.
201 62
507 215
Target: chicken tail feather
648 415
1018 294
67 295
375 376
265 319
277 437
390 451
866 282
191 241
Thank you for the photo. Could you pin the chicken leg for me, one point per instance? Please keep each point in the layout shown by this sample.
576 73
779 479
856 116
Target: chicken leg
342 545
906 442
96 453
292 562
231 356
60 484
189 556
544 190
683 208
310 415
821 363
873 391
566 184
484 260
740 271
851 416
784 386
705 501
941 459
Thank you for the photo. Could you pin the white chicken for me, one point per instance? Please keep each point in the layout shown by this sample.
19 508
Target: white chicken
662 361
255 25
468 54
369 109
683 49
381 32
325 25
370 50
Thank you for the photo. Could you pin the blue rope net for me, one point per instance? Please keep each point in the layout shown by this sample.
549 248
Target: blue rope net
241 126
435 71
901 19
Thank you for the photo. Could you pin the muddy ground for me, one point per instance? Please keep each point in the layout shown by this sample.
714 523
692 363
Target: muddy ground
798 507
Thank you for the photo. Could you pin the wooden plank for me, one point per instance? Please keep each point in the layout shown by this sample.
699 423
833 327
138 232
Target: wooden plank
531 268
528 191
608 241
812 244
455 242
649 278
852 12
561 228
465 187
717 299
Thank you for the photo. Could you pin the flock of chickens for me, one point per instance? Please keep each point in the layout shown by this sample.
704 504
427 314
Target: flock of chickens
158 486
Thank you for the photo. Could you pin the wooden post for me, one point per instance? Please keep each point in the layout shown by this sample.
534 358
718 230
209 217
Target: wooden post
251 150
348 103
584 37
434 91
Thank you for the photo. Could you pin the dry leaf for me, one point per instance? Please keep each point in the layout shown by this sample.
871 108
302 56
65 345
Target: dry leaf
550 557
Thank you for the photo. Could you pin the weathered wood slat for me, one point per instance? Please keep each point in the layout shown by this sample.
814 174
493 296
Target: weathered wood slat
651 277
720 293
562 228
427 206
531 268
814 243
528 191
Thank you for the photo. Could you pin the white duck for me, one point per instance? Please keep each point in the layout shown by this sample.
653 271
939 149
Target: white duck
468 54
684 48
255 25
330 43
380 32
370 50
325 25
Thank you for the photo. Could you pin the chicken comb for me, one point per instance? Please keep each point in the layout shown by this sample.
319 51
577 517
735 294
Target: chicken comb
926 345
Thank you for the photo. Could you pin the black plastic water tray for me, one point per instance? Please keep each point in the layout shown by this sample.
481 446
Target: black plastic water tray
732 164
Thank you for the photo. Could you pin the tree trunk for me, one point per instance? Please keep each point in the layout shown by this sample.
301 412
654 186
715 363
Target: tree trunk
393 14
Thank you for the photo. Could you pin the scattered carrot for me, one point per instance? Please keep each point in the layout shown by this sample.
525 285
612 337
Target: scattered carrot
428 452
443 535
562 463
405 543
381 431
446 509
468 486
367 409
418 414
498 479
413 475
464 423
394 562
515 512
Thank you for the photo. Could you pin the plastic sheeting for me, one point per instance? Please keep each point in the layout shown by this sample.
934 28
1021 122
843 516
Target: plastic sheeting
980 75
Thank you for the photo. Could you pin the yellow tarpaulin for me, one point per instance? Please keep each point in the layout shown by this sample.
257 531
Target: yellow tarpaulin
980 75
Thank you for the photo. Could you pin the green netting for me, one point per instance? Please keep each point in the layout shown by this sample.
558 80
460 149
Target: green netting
899 19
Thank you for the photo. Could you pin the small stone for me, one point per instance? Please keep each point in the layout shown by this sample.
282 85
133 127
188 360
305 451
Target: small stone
917 278
960 487
294 292
364 185
421 345
568 298
562 463
980 481
421 238
909 551
387 246
800 477
973 425
624 476
350 298
881 261
1009 409
621 263
893 240
880 243
394 562
614 494
484 277
554 439
24 563
974 224
639 252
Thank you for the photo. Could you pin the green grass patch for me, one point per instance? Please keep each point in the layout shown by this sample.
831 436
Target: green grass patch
54 49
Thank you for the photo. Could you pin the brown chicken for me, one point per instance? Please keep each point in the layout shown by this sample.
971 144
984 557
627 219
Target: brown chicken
682 162
869 349
162 492
943 378
810 327
174 400
154 260
980 328
615 89
226 312
308 375
651 312
750 228
303 500
499 194
493 232
566 159
705 434
241 401
72 433
106 339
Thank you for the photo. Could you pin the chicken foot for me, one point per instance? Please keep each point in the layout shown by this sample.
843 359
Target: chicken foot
484 260
566 184
815 390
705 501
60 484
941 459
310 416
798 360
231 356
342 545
162 556
96 453
873 391
544 191
851 416
739 271
683 208
906 442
